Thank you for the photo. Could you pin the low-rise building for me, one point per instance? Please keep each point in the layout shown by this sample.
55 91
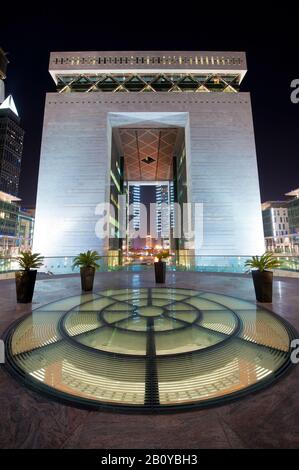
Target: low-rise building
16 226
293 209
281 224
25 228
8 224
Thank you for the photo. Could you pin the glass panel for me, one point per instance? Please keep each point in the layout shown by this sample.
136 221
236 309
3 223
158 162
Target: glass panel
68 303
230 302
187 339
96 304
147 351
77 323
36 331
215 373
262 327
115 340
223 321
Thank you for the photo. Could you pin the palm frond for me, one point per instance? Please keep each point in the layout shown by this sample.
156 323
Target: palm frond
266 261
87 259
162 255
28 260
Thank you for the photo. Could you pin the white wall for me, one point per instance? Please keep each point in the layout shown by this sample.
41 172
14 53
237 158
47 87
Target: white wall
224 175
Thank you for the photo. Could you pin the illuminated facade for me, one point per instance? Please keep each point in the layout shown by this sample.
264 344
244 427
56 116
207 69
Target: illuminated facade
281 224
11 149
3 67
134 200
163 211
25 228
177 117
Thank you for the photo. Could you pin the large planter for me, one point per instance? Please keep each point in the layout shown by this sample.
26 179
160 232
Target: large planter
263 282
160 272
25 282
87 278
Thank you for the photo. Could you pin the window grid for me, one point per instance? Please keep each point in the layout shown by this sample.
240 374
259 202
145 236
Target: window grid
150 60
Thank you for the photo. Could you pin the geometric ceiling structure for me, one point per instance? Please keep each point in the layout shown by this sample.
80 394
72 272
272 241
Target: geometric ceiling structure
148 153
145 82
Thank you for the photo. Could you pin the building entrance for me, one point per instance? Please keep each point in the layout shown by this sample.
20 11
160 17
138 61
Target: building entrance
148 170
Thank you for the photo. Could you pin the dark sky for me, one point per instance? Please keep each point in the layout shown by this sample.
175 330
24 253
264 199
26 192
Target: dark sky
270 41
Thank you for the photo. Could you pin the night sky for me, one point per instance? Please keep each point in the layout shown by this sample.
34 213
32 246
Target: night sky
271 44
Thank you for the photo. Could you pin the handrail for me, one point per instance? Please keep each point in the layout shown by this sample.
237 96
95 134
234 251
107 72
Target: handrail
203 263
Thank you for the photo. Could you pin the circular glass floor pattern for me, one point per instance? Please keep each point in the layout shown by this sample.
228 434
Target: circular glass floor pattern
149 349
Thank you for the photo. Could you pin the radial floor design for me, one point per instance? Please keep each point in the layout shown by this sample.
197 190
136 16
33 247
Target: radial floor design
149 349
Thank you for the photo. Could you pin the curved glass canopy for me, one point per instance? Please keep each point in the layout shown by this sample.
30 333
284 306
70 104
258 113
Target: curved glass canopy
149 349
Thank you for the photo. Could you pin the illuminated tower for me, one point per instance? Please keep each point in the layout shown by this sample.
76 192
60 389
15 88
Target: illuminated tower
11 148
134 200
3 66
162 211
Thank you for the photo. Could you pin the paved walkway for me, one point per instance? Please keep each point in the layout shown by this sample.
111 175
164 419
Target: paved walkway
269 418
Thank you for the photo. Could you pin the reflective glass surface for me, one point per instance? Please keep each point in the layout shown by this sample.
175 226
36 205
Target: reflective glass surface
150 348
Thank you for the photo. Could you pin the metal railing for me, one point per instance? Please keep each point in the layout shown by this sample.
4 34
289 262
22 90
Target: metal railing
229 264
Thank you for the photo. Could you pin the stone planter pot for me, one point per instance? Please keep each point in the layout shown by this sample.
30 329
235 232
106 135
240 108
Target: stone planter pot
87 278
263 285
160 272
25 282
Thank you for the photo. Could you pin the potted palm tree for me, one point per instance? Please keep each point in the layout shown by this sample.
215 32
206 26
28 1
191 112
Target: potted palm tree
160 266
25 278
260 267
87 262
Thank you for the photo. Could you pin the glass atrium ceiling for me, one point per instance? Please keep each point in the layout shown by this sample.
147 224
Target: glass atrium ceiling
148 349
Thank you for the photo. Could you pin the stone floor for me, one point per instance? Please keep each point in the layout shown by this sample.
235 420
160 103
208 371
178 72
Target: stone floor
267 419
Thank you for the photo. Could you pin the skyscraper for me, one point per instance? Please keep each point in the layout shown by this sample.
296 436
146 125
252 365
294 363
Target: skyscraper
134 201
11 148
3 66
163 211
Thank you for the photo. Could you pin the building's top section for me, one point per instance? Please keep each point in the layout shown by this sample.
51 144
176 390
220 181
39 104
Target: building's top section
9 103
294 193
3 64
273 205
5 197
147 71
170 60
